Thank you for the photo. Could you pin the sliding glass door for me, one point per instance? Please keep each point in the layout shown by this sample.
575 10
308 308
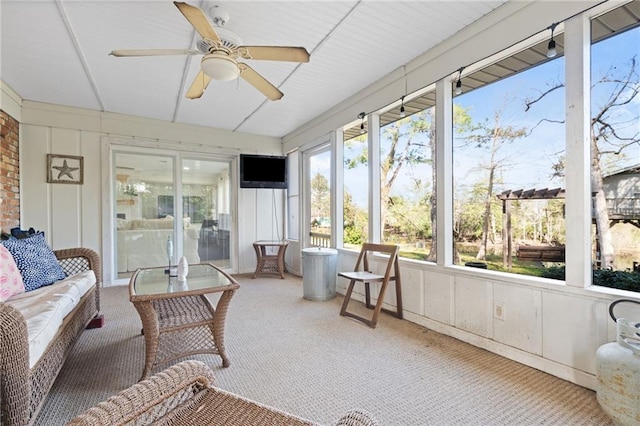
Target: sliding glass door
206 206
152 228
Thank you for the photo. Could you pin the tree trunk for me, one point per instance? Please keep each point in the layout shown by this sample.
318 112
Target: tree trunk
603 231
482 251
432 256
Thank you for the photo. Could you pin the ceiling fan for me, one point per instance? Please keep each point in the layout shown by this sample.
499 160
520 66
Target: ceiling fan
222 48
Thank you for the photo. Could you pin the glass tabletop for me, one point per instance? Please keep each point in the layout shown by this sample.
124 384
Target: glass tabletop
271 243
202 278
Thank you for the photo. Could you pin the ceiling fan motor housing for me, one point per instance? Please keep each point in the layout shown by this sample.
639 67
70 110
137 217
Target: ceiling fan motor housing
230 40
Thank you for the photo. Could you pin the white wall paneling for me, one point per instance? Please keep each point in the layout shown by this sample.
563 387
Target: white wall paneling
474 305
72 215
412 296
574 328
438 296
517 317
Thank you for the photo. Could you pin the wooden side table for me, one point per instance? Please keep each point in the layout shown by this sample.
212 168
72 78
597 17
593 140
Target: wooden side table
268 262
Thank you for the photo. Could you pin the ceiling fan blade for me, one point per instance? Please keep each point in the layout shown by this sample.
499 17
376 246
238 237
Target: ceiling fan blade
153 52
259 82
198 86
198 19
275 53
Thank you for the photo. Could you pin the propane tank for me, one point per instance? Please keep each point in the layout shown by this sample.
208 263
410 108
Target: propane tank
618 372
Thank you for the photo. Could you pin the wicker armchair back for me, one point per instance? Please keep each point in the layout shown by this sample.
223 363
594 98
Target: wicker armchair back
184 394
23 389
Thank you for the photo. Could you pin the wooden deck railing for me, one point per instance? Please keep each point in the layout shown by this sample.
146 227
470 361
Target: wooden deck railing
623 208
319 240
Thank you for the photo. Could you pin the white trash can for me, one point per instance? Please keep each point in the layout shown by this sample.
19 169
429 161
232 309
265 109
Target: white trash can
319 273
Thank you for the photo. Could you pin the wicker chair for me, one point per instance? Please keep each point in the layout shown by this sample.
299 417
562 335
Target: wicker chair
183 394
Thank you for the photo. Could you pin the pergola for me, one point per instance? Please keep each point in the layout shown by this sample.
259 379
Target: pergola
521 194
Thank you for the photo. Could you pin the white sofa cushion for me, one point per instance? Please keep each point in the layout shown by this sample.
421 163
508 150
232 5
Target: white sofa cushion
145 248
44 309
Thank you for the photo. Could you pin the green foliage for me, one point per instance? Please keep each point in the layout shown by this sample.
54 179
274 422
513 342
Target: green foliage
359 147
462 121
468 224
554 272
355 222
408 220
353 235
538 220
320 197
622 280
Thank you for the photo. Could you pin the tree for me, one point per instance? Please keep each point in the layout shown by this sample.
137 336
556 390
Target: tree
320 197
355 222
406 141
403 146
409 142
355 217
612 132
492 137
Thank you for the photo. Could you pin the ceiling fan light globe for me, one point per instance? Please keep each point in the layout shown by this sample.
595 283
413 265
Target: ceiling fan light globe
220 67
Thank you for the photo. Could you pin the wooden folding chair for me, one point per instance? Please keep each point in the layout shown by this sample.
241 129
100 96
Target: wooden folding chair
363 274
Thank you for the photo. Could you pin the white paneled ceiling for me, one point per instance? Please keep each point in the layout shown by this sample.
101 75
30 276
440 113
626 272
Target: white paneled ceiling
58 52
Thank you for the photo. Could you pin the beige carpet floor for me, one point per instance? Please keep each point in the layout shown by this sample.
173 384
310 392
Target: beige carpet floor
302 357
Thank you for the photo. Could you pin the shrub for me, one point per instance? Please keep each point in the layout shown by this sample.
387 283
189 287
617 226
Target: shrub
622 280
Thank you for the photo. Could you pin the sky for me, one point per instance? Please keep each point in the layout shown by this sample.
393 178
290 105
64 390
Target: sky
530 158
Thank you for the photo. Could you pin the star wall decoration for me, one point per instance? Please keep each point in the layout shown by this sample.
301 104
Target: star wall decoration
65 169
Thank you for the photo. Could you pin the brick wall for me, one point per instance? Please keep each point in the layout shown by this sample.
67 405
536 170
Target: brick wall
9 173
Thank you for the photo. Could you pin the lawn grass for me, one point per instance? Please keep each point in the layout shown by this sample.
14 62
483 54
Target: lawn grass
494 263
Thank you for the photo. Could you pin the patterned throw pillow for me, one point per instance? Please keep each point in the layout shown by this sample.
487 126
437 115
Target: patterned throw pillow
10 278
36 261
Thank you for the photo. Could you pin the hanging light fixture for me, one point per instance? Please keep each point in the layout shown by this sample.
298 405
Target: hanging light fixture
402 112
551 47
459 82
361 117
220 67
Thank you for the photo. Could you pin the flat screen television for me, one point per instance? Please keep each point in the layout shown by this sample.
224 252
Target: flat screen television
263 171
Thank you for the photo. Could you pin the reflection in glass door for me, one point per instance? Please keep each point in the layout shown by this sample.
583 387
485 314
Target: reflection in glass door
144 224
206 202
146 188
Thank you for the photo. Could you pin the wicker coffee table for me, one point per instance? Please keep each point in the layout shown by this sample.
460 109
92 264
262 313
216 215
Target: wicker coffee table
178 320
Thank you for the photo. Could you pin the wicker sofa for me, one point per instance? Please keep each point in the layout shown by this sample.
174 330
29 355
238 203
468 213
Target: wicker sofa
26 378
184 394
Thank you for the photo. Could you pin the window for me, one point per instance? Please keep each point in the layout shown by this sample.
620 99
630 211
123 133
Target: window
508 166
356 187
407 178
509 161
615 147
